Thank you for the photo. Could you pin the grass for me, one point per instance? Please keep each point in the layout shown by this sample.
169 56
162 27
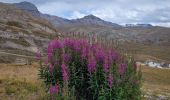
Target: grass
156 81
156 51
20 82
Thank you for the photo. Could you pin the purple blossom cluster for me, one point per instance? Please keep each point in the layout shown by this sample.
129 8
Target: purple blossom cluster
53 45
91 64
54 89
64 69
93 53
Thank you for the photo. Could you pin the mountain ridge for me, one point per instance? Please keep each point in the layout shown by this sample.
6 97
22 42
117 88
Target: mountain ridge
141 33
57 21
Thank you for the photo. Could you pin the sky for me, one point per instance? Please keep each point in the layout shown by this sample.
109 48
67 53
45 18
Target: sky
155 12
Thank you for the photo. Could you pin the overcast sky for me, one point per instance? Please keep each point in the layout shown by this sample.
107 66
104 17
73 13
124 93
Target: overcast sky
155 12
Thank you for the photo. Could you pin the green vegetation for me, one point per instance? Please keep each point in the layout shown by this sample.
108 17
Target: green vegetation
156 82
20 85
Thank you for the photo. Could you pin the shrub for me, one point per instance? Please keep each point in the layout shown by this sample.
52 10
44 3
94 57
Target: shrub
76 69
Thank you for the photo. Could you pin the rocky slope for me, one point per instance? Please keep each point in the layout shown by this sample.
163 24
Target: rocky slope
22 33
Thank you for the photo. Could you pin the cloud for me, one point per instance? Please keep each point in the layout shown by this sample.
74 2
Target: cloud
77 14
117 11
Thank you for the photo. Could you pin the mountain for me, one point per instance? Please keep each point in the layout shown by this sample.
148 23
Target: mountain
140 38
138 33
22 33
138 25
29 7
93 20
57 21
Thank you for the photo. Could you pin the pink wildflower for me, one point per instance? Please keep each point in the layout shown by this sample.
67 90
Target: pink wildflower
66 58
64 72
54 89
91 64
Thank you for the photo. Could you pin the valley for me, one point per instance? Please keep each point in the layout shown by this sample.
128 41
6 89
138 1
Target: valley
24 31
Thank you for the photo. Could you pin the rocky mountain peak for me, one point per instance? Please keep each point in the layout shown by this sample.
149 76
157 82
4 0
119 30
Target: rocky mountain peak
27 6
93 20
91 17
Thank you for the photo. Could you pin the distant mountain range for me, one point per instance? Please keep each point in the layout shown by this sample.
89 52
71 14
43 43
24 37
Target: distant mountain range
57 21
138 33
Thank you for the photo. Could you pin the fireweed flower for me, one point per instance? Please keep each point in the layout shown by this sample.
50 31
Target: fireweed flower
98 52
66 57
106 64
56 44
53 45
94 48
77 46
91 64
54 89
68 43
85 49
100 55
64 69
110 80
109 59
85 52
122 68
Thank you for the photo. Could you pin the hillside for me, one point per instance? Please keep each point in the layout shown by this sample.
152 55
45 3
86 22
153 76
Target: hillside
24 30
22 33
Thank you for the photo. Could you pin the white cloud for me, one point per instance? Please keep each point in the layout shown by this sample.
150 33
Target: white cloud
54 8
77 14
